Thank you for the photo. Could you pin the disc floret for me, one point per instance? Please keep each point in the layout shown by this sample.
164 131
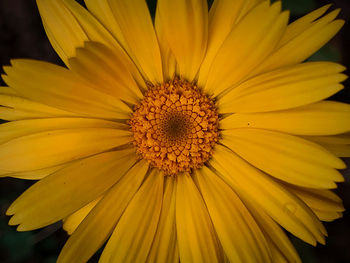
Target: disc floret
175 127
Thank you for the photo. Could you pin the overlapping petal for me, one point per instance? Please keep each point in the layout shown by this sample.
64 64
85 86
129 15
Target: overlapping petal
337 144
194 225
238 56
57 147
56 86
285 88
71 223
68 26
164 246
112 76
15 107
242 241
281 248
223 16
281 205
294 160
321 118
69 189
100 223
304 41
185 28
141 41
132 238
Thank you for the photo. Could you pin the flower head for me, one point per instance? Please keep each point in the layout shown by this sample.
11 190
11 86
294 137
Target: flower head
196 138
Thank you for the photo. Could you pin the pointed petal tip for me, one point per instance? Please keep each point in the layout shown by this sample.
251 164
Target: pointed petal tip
336 12
21 228
324 8
341 165
14 220
327 6
10 211
341 22
323 230
13 61
312 243
343 77
341 210
322 241
342 68
4 77
6 69
20 62
340 179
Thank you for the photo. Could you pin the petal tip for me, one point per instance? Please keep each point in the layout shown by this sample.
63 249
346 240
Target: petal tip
10 211
22 228
14 221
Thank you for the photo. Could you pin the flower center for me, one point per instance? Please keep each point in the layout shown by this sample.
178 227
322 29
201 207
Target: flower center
175 127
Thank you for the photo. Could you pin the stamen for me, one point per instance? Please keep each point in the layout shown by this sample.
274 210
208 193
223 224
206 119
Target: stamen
175 127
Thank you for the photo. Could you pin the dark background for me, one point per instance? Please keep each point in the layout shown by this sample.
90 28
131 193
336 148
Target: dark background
22 36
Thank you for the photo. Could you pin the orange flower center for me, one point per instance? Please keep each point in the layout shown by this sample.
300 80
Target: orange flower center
175 127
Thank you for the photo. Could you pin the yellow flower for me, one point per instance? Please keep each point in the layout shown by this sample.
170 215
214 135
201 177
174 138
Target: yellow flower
198 138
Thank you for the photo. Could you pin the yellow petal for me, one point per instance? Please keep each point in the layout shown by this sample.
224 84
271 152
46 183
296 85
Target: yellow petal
132 238
321 118
71 223
337 149
304 44
286 157
16 129
56 147
101 9
33 174
63 30
277 256
7 91
285 88
64 192
275 236
99 224
101 67
324 200
168 59
223 16
15 107
339 145
238 56
281 205
237 230
164 246
135 24
56 86
10 114
185 27
302 24
68 25
327 216
336 139
197 239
